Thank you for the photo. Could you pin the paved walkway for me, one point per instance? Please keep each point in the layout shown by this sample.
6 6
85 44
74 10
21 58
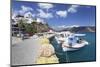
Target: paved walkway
16 40
25 52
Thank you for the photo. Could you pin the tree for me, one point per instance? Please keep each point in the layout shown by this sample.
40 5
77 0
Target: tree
29 29
21 26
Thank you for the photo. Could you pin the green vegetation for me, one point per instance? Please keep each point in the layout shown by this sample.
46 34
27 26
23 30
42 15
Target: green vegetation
32 28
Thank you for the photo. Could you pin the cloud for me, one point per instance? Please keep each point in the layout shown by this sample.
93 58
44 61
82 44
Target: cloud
45 5
14 13
65 26
62 26
73 9
62 13
43 14
75 26
25 9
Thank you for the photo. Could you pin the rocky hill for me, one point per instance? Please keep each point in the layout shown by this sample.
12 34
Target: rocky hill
39 27
35 27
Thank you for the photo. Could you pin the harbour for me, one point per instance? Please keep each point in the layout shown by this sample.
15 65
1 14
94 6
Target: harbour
32 45
86 53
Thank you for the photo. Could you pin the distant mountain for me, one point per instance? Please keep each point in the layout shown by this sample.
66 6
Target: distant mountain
79 29
62 27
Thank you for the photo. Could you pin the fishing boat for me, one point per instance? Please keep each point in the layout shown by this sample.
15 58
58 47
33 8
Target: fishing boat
70 41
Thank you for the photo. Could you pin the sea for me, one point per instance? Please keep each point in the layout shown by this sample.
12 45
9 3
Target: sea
85 54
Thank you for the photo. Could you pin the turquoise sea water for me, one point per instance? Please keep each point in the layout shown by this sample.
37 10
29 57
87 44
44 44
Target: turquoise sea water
87 53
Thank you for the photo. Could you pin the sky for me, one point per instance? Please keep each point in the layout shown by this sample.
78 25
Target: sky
57 15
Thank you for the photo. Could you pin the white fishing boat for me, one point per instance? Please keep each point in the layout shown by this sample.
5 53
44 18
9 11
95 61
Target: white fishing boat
70 41
61 36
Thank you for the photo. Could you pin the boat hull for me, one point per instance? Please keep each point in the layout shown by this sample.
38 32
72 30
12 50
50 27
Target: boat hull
75 47
69 49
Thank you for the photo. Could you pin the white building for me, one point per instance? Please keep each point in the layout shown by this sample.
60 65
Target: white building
39 20
28 17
